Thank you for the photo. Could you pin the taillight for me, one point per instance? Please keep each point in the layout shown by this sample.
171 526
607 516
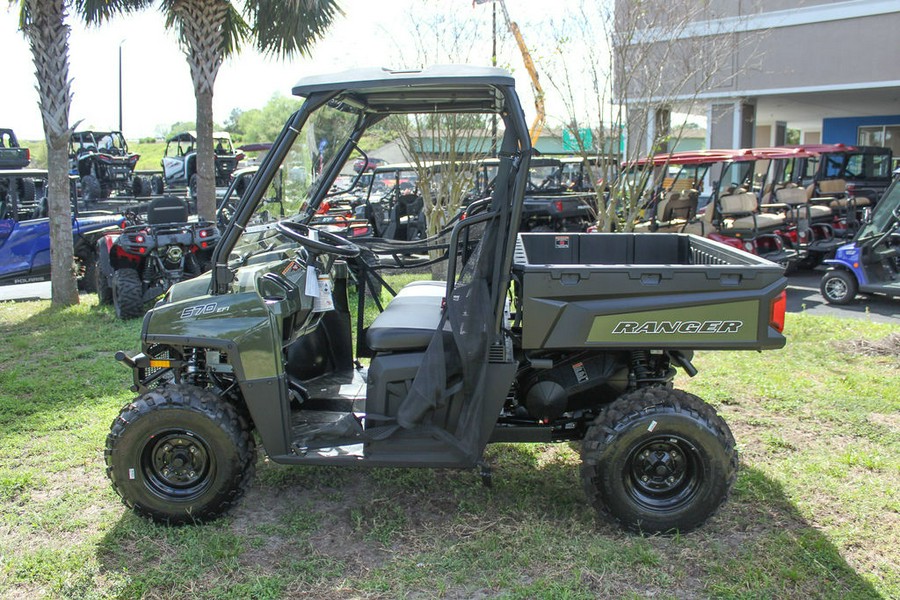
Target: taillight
559 205
27 154
776 312
139 239
239 157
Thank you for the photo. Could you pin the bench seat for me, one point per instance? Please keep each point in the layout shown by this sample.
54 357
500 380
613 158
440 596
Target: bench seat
410 320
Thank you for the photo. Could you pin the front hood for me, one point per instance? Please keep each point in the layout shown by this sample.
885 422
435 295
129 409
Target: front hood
191 288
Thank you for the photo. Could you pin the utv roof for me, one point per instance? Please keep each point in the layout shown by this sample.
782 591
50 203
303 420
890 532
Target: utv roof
187 136
456 88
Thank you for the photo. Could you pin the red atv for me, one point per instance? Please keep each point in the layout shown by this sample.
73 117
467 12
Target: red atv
138 264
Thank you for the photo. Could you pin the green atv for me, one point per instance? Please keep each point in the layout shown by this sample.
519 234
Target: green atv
534 337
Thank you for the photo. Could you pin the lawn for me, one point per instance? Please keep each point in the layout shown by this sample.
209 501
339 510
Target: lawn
814 513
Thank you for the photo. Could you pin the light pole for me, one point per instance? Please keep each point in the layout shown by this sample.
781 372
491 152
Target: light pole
120 84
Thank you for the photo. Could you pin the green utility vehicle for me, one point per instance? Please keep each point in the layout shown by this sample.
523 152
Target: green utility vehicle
533 337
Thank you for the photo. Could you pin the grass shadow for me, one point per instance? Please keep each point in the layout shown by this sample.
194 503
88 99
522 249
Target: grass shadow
428 533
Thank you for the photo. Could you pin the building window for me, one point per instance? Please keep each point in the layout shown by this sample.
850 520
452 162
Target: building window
881 135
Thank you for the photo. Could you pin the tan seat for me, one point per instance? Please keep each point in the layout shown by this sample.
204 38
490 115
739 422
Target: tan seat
832 187
795 197
843 203
741 211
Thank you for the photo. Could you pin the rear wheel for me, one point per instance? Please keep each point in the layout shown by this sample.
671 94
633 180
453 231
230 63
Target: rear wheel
128 294
838 287
86 269
192 185
157 185
180 454
90 188
26 190
658 460
104 290
137 186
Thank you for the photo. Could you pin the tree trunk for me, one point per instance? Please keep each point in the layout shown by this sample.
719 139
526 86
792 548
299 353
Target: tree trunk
206 166
48 35
203 32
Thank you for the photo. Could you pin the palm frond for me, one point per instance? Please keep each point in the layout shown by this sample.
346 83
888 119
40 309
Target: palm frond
236 30
288 27
95 12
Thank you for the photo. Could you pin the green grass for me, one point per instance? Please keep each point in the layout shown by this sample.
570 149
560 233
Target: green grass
814 512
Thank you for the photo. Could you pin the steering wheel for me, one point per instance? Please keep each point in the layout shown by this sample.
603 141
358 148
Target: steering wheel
333 244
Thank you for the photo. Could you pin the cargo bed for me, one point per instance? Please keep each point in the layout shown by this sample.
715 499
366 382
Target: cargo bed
632 290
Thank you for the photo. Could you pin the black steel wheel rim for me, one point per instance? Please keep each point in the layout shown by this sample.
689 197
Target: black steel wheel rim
663 473
177 464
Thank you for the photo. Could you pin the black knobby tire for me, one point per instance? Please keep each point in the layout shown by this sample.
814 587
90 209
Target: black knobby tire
86 263
101 274
193 182
26 190
658 460
157 185
104 290
180 454
838 287
128 294
137 186
90 188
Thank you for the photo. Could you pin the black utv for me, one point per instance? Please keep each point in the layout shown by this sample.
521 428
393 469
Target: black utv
532 337
104 165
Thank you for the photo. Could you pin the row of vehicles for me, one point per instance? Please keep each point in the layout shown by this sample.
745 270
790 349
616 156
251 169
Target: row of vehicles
105 167
794 205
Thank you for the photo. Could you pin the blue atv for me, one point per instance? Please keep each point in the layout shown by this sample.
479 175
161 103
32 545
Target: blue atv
871 264
25 232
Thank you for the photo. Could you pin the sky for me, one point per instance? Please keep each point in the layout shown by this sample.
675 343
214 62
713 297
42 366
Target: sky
156 84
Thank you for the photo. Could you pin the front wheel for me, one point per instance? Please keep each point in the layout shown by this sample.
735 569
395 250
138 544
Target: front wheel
838 287
658 460
180 454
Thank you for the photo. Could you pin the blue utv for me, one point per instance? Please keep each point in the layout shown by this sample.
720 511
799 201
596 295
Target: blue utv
25 232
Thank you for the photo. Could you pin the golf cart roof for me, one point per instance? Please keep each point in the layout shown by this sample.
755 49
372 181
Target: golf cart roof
696 157
783 152
454 88
840 149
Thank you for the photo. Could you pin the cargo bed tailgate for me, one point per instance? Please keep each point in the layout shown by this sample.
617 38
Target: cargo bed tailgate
654 290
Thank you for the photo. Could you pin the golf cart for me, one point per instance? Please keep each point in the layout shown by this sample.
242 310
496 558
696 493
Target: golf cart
871 264
533 337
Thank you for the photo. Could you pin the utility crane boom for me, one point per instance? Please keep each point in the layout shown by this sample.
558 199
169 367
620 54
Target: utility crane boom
538 124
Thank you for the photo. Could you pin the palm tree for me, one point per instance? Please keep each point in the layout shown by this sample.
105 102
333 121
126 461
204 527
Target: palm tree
44 26
43 23
212 30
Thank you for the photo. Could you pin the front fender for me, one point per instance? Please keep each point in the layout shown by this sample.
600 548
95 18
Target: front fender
240 322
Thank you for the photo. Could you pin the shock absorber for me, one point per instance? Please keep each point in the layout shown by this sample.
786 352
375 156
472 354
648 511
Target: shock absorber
195 365
640 366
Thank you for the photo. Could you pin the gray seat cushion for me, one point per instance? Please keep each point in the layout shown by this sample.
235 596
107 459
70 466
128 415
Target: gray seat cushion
410 320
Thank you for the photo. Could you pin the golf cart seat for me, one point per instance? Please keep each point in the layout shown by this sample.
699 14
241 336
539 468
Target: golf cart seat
410 320
795 197
741 211
167 209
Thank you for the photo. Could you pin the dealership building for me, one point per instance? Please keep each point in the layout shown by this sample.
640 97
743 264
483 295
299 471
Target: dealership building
827 70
